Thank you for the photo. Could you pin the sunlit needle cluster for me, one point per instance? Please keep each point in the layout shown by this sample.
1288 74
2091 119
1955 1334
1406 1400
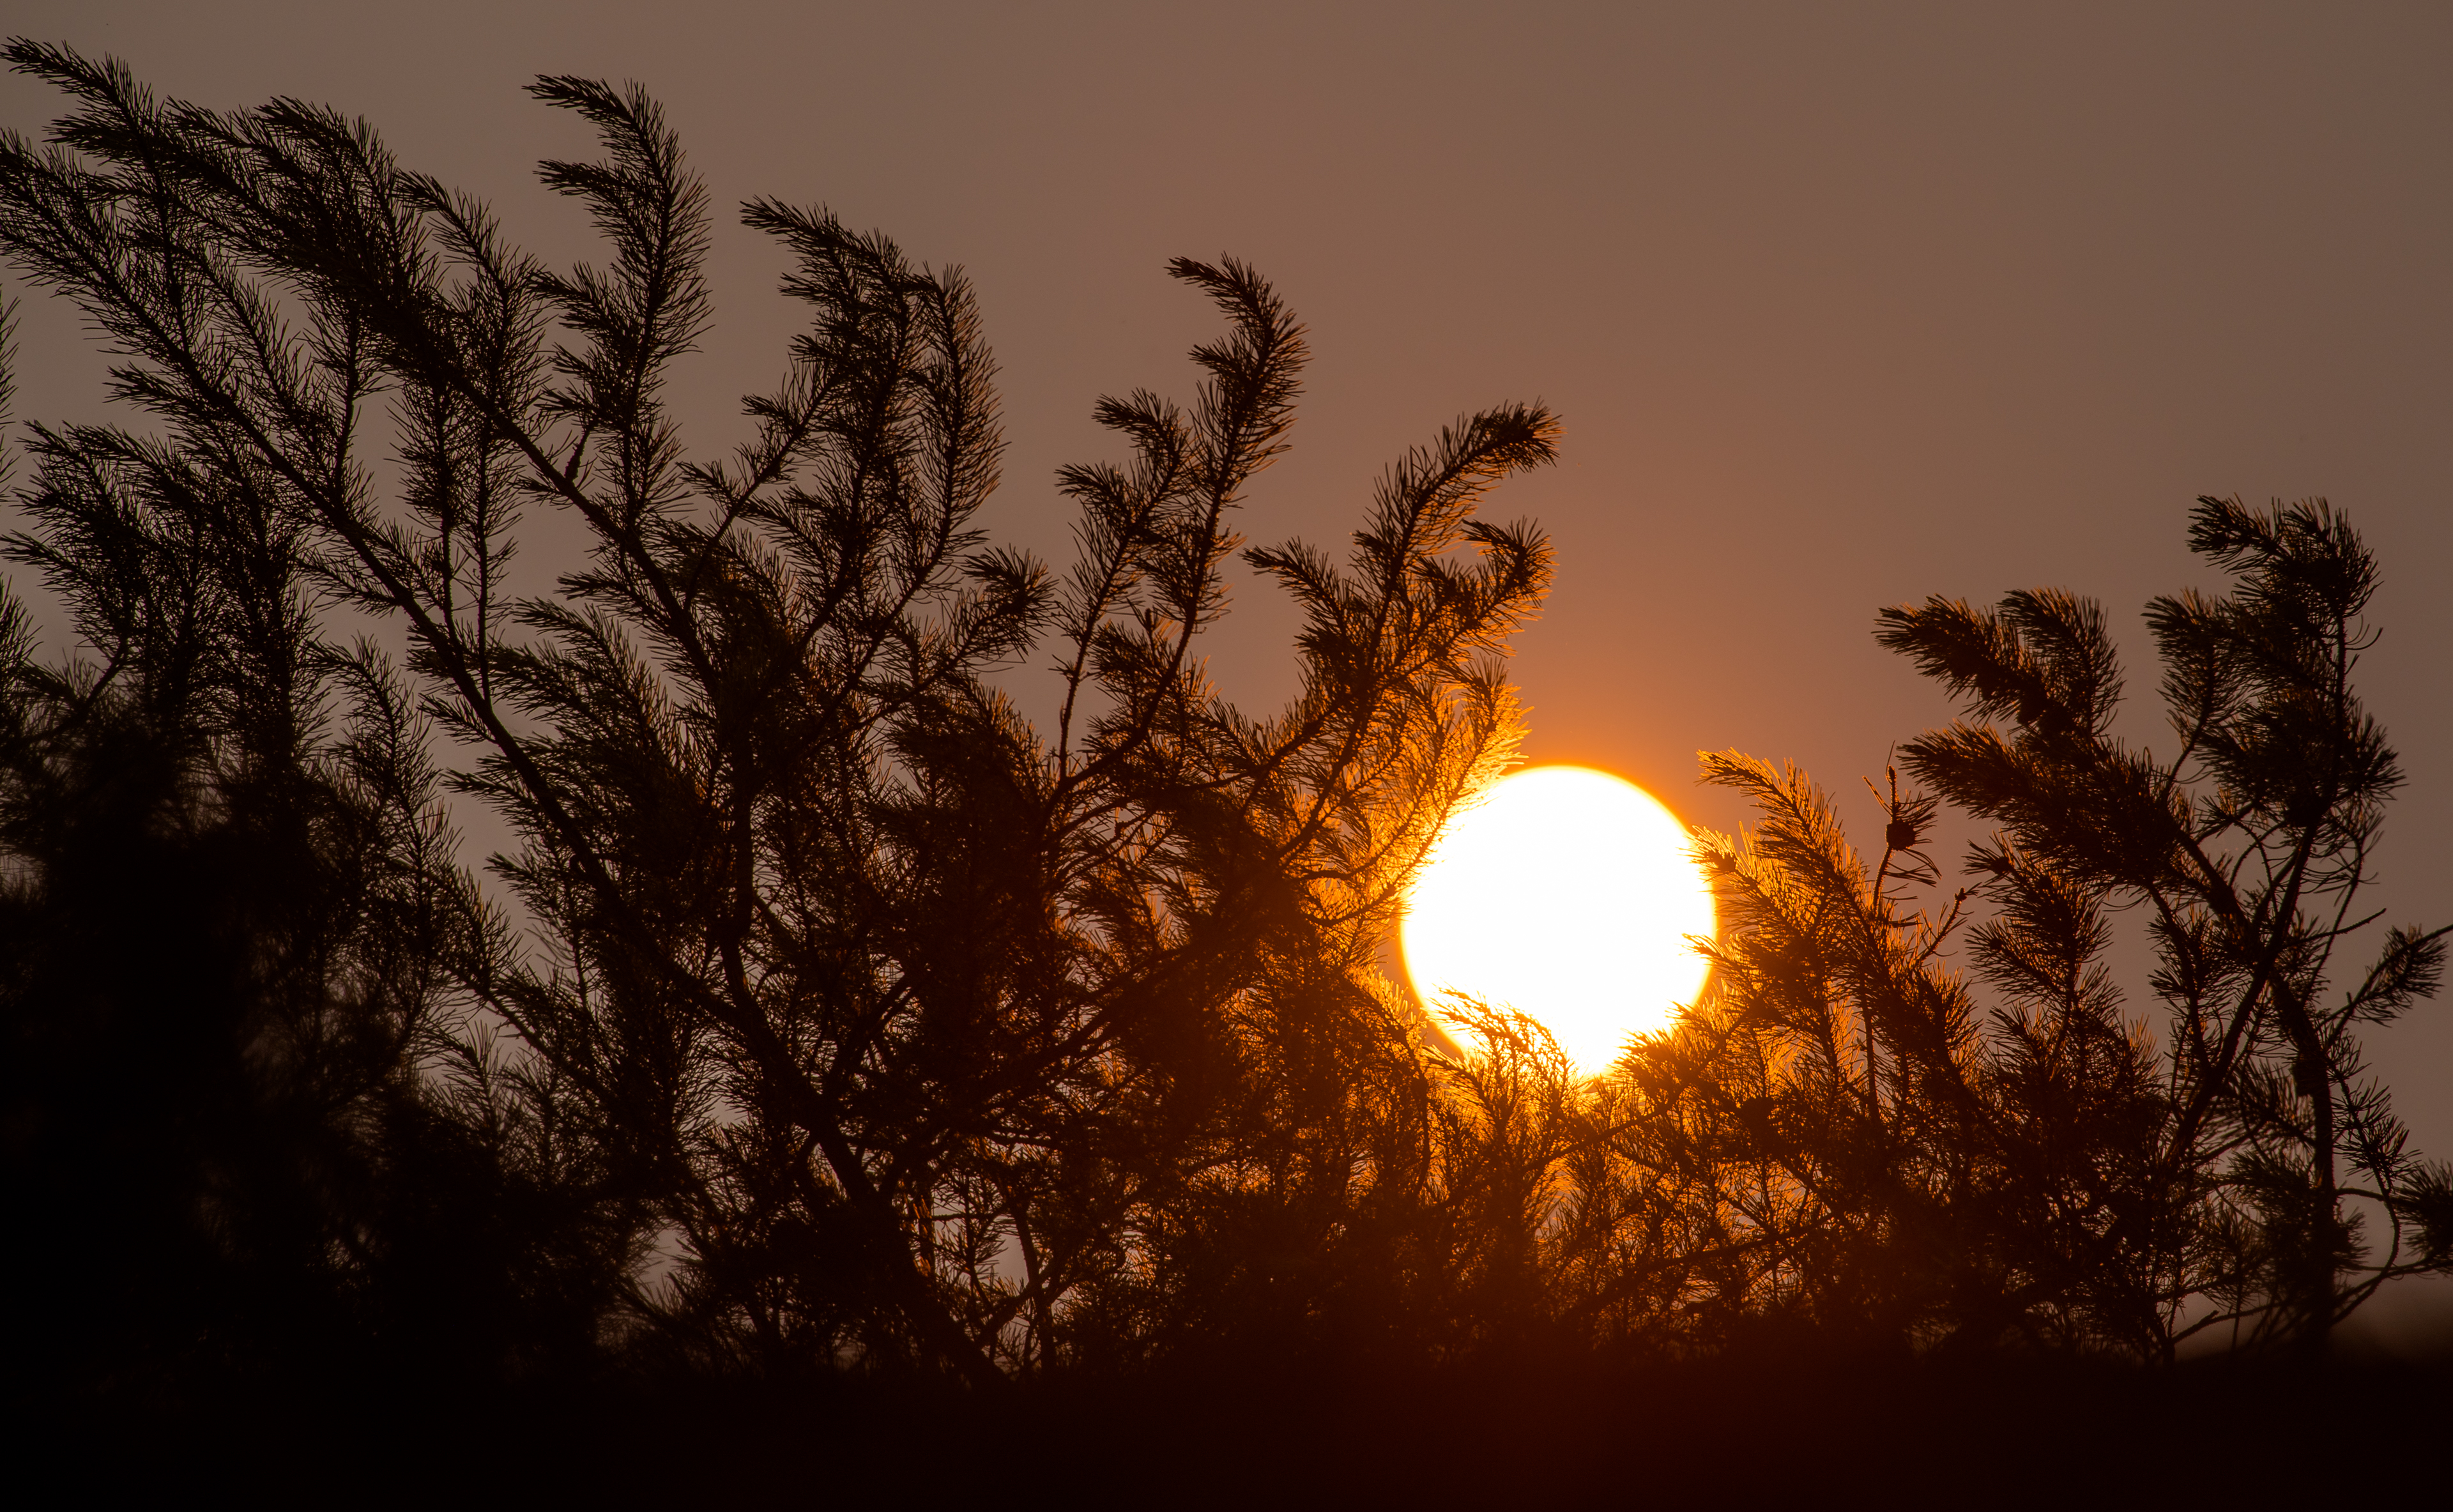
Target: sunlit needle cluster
1567 894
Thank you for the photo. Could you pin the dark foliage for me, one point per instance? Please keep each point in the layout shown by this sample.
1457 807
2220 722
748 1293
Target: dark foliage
1857 1140
869 1027
243 1132
833 1035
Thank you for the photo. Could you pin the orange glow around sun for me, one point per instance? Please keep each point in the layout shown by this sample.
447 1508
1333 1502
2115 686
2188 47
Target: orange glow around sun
1566 894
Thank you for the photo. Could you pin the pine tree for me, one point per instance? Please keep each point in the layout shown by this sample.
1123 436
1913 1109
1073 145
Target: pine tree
1845 1133
912 1034
235 1116
2248 848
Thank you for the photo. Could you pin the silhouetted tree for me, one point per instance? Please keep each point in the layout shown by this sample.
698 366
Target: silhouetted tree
838 1019
1843 1133
2248 846
1852 1144
908 1032
235 1137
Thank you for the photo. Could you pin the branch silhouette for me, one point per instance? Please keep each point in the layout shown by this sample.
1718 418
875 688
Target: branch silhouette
829 1020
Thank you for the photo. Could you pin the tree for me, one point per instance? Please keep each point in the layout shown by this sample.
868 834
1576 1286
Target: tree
239 1126
831 1017
1849 1135
915 1034
2248 846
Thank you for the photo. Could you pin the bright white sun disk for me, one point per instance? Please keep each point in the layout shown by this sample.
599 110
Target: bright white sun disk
1567 894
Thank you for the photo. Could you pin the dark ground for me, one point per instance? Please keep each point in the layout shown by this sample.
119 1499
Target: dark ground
1766 1431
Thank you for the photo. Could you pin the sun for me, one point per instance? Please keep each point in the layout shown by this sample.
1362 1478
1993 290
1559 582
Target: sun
1567 894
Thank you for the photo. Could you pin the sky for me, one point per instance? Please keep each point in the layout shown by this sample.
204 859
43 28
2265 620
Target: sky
1841 306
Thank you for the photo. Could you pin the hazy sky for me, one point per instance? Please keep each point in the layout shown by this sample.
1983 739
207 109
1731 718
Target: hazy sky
1841 305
